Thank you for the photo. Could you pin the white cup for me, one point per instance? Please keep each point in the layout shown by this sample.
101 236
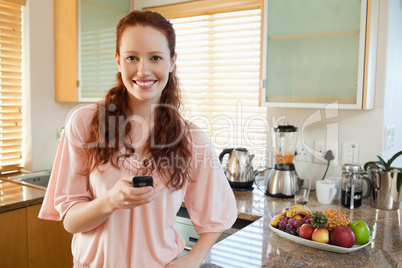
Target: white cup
326 191
337 182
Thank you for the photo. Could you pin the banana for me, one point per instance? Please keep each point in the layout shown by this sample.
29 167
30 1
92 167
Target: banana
285 210
275 220
298 209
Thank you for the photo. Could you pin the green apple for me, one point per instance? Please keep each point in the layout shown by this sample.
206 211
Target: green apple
361 231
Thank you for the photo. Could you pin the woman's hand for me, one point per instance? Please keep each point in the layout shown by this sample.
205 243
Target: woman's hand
124 196
85 216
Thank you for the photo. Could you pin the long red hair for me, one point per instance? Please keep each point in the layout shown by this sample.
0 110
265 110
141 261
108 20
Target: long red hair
169 139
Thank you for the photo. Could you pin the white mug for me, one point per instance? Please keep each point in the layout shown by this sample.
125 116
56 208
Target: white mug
337 182
326 191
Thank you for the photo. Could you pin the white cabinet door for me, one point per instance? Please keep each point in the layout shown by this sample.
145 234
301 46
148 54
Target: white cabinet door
97 43
317 53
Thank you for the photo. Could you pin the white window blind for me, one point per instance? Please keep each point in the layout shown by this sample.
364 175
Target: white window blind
11 94
219 70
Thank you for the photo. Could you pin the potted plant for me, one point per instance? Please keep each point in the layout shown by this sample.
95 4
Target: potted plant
386 187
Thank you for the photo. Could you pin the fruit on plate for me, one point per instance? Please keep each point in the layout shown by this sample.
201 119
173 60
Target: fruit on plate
319 219
342 236
320 235
306 230
298 217
298 209
335 218
361 231
285 210
275 220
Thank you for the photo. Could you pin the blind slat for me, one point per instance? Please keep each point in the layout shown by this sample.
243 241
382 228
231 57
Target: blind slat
219 69
11 121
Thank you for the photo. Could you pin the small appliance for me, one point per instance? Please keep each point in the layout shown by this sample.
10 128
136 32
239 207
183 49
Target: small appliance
353 176
239 170
281 179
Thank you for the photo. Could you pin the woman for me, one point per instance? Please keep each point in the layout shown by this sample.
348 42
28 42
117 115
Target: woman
137 130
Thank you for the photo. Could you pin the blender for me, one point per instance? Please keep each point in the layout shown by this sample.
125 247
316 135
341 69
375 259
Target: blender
281 178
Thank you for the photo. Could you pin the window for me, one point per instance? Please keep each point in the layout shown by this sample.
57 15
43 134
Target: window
218 47
11 85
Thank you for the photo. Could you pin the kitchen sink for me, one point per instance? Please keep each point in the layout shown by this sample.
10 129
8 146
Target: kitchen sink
39 179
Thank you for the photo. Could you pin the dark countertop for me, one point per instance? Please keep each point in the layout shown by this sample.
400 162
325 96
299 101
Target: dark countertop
257 246
15 196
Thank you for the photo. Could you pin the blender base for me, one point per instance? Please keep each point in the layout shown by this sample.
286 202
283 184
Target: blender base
280 181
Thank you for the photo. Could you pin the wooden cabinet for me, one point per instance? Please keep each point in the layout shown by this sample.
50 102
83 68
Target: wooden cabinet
84 46
49 244
319 52
65 50
13 239
27 241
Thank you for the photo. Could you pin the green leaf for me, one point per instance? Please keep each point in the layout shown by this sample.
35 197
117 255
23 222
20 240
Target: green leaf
382 161
393 158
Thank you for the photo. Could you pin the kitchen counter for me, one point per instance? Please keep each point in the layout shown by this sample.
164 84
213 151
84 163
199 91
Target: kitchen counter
257 246
15 196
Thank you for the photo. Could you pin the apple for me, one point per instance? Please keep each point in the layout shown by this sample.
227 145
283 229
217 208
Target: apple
342 236
306 230
320 235
361 231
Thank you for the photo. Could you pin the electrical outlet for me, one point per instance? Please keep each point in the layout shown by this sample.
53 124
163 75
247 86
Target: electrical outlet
301 154
321 148
350 152
303 151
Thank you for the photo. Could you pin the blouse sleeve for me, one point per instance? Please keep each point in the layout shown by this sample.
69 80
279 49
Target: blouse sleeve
66 186
209 198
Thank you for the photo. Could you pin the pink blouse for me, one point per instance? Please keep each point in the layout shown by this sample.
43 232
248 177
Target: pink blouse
143 236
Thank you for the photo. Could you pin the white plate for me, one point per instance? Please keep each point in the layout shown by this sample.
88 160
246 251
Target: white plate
318 245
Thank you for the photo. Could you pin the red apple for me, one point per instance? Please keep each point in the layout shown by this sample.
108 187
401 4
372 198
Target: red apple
342 236
306 230
320 235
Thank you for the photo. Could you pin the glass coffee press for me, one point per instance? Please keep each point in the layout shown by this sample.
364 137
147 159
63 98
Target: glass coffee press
353 176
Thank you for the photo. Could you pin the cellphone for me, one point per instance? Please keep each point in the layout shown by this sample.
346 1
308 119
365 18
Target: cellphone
142 181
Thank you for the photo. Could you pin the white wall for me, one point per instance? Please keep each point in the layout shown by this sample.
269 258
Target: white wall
44 114
393 76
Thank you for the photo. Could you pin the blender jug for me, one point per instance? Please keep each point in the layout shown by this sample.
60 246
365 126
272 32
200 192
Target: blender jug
284 143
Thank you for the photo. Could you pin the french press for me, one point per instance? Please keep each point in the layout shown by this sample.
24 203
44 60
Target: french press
352 186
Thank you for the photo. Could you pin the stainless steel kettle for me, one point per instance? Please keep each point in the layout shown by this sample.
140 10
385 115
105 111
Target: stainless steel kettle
239 169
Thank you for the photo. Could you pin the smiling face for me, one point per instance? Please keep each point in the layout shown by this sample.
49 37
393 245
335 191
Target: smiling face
145 63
